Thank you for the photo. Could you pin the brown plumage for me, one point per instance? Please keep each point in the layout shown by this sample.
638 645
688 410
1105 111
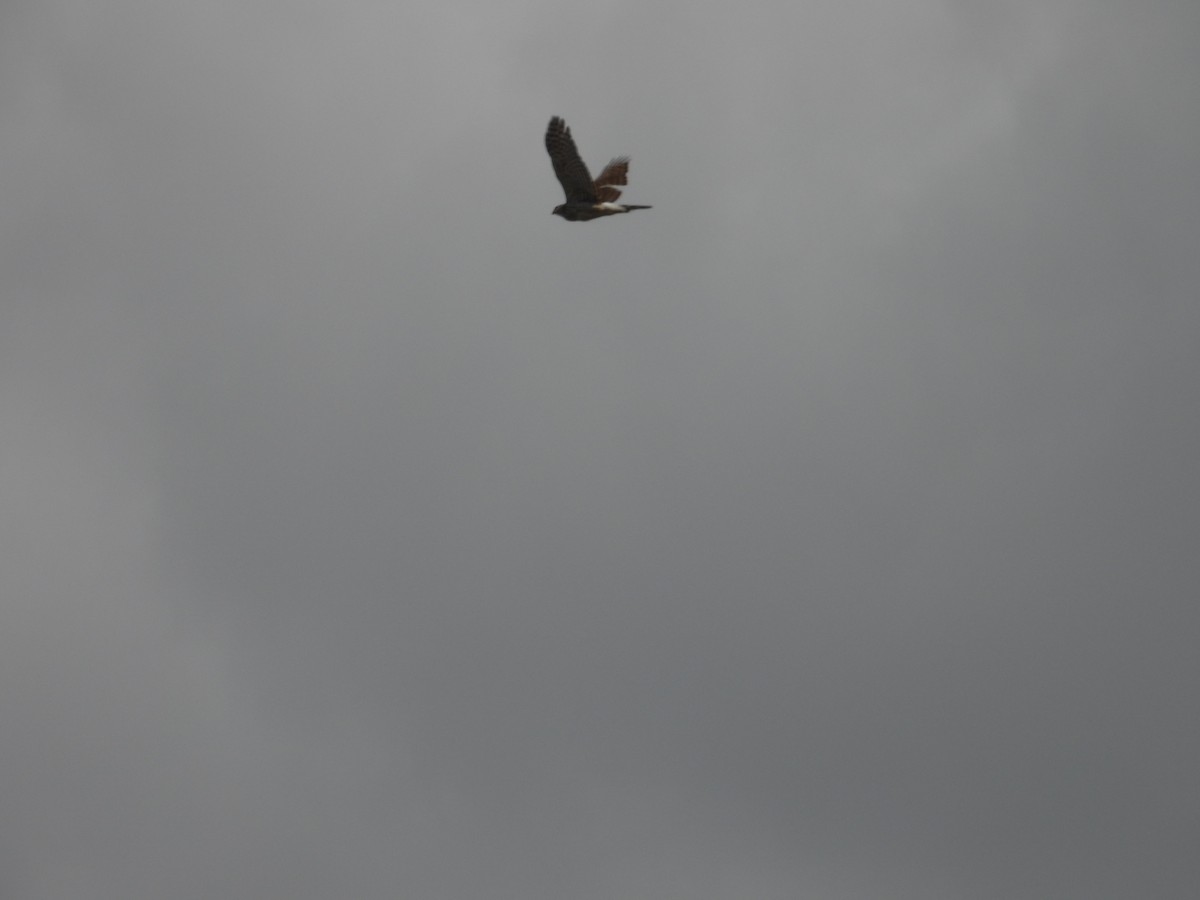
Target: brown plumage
586 199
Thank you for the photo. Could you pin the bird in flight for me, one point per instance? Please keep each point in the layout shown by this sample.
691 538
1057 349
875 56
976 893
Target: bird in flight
586 199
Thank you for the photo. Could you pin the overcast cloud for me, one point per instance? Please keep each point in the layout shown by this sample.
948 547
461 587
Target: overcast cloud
828 531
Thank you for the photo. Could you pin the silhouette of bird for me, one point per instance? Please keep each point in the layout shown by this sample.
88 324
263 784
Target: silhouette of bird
586 199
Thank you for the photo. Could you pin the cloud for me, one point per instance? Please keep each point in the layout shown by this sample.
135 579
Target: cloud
828 531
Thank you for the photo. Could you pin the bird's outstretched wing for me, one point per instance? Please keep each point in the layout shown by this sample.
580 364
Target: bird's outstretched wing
614 173
570 170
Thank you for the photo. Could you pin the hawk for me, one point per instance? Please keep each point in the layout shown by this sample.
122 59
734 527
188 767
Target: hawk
586 199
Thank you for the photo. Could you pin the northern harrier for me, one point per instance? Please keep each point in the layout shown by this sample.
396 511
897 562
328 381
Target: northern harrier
586 199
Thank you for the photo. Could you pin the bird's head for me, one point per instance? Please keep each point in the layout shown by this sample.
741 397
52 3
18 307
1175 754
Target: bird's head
560 210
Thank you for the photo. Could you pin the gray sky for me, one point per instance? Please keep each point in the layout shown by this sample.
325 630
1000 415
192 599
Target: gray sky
828 531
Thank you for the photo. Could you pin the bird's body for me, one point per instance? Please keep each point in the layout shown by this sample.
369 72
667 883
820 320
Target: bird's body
583 212
586 199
